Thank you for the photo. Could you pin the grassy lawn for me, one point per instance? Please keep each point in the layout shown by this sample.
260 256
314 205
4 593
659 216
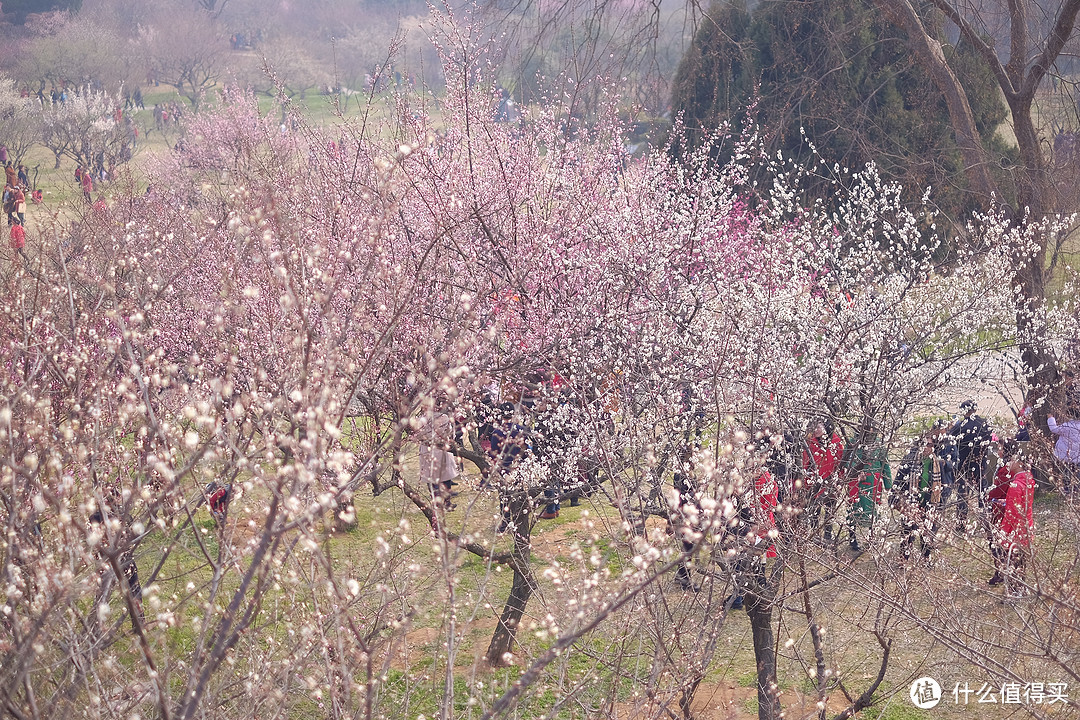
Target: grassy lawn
617 655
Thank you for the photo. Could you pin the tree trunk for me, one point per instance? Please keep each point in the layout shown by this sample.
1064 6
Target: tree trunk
1033 203
759 610
521 590
1019 81
927 51
686 699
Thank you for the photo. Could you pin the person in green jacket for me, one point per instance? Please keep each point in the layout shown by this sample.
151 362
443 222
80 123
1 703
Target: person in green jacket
868 473
918 496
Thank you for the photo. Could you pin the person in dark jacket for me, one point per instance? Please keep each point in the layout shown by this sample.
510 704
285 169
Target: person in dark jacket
685 515
973 437
782 461
947 455
509 445
552 441
508 441
125 546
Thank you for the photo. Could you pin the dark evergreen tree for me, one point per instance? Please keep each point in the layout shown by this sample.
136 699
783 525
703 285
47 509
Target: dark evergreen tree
20 9
714 79
836 70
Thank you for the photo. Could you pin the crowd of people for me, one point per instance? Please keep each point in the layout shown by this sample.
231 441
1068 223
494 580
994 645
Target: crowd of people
167 114
16 190
530 433
958 476
948 469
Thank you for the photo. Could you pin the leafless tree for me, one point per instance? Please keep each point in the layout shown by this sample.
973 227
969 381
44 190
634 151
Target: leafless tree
1036 35
185 50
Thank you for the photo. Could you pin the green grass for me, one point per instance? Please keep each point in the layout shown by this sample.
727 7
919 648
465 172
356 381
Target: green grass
747 679
895 710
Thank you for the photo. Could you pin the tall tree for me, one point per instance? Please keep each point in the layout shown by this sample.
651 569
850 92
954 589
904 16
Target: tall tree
836 74
1037 34
186 50
23 8
20 123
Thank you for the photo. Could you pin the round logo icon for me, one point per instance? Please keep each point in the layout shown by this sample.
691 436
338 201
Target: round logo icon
925 693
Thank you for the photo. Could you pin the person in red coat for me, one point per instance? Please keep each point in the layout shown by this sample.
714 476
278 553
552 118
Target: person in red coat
18 237
1017 522
767 492
821 461
87 187
758 524
995 498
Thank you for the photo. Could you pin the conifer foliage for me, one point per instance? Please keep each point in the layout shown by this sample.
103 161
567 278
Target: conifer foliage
836 74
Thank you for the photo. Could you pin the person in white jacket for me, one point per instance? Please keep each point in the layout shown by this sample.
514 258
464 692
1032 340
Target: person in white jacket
1067 450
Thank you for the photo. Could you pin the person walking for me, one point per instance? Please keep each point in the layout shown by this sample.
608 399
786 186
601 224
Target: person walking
685 517
973 436
18 238
871 475
947 456
756 527
820 462
509 445
20 205
995 499
9 204
87 186
438 466
1017 526
918 496
552 435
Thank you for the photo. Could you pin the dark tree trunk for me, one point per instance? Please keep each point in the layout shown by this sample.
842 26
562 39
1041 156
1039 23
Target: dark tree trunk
1033 203
687 697
1020 80
524 583
759 609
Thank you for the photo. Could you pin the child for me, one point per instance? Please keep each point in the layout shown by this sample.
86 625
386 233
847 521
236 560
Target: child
18 237
1017 522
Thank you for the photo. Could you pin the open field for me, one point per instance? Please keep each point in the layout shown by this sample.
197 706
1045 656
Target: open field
416 666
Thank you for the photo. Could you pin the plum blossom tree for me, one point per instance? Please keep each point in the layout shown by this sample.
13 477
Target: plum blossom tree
19 121
76 51
89 127
285 311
